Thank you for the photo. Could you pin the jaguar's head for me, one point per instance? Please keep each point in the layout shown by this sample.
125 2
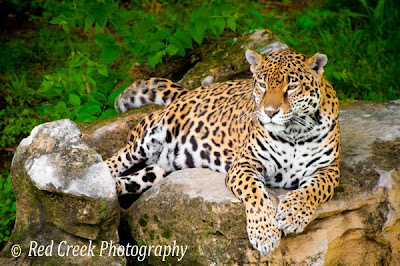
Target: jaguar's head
286 87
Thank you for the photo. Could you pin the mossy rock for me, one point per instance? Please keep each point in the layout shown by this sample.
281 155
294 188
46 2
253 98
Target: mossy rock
64 192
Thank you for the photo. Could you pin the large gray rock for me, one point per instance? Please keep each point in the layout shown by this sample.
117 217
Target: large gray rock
54 172
64 192
359 226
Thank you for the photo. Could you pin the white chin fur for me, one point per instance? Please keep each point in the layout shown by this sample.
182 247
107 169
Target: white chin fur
271 127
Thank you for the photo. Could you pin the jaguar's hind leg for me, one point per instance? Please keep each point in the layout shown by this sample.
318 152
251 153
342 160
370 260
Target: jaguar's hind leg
140 181
146 144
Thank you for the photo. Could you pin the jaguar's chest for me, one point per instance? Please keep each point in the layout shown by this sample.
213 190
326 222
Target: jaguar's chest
287 164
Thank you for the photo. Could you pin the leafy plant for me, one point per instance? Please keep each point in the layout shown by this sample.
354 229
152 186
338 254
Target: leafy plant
362 45
79 92
141 34
74 53
7 207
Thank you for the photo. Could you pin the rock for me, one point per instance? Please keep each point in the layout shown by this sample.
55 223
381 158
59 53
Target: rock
225 61
207 81
64 192
194 208
217 58
359 226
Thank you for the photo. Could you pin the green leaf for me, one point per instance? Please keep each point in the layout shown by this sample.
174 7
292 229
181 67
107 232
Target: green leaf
90 80
123 31
89 20
217 26
65 27
102 70
200 27
99 96
94 102
108 113
83 117
61 20
231 23
159 36
74 99
93 110
104 39
184 38
177 43
58 20
171 49
155 59
196 36
61 107
156 46
100 15
379 9
110 53
135 47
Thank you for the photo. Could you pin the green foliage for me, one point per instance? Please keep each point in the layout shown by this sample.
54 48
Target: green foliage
7 207
141 34
363 47
79 92
361 41
17 118
80 87
76 52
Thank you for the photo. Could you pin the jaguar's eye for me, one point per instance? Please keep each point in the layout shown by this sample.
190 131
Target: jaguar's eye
262 85
293 87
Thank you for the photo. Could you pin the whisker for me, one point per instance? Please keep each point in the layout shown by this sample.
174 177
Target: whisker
307 123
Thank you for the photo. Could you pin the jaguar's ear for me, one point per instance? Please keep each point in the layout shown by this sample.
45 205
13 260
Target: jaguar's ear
254 59
317 63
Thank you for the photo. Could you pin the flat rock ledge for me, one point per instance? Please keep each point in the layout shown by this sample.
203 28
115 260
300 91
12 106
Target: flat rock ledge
64 192
359 226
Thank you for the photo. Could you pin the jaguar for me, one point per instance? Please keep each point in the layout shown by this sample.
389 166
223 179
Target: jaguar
278 129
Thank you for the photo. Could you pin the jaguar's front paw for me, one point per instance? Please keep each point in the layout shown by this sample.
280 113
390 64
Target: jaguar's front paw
294 212
263 232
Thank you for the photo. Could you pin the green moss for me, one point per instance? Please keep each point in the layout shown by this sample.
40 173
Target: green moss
151 234
142 222
102 206
340 189
14 236
167 234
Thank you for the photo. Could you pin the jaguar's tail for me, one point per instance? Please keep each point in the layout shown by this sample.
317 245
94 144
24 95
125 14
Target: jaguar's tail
152 91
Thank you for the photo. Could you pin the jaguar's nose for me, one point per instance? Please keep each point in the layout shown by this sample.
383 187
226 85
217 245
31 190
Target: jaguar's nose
271 112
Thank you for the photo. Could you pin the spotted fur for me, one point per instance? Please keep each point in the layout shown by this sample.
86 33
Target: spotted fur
278 129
